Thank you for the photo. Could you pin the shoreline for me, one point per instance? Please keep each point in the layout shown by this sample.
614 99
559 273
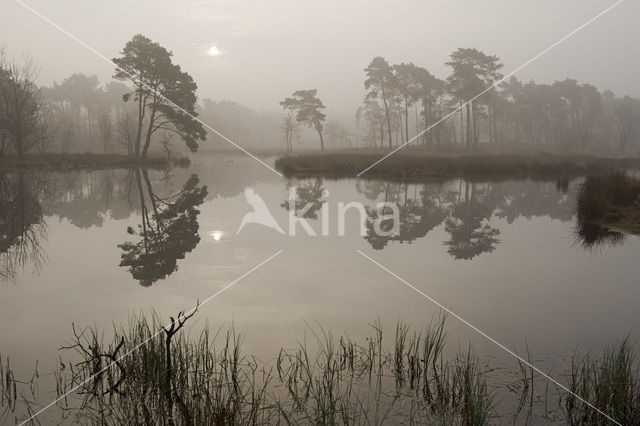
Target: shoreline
621 219
413 166
84 161
610 202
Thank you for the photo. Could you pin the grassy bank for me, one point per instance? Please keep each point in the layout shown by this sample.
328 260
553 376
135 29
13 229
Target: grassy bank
83 161
410 166
611 201
176 378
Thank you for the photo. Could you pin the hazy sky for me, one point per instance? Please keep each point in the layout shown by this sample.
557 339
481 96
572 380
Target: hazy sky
270 48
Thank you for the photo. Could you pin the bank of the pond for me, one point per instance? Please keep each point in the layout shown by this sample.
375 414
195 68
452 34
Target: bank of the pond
611 201
84 161
412 165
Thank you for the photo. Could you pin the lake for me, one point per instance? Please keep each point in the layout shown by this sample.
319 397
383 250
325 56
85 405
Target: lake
80 247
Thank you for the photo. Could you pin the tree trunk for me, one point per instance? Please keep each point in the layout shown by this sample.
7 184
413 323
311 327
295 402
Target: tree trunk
406 120
386 112
141 107
417 123
468 135
321 139
19 142
474 112
461 127
490 124
152 121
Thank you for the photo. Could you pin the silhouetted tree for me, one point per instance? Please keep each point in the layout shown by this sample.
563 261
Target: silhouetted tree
159 85
472 72
105 127
290 131
406 80
126 132
20 101
627 112
428 91
46 128
379 84
308 108
374 117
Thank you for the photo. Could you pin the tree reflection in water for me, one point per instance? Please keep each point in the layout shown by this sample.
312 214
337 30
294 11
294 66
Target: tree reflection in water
420 212
466 209
310 192
468 223
22 225
590 236
168 231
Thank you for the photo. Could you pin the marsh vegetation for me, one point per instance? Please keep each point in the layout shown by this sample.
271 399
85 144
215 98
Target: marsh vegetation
147 373
611 200
143 373
414 165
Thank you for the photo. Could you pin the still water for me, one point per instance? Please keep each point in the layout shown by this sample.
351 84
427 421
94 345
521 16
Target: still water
84 248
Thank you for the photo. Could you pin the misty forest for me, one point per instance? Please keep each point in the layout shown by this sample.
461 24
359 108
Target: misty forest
457 246
125 115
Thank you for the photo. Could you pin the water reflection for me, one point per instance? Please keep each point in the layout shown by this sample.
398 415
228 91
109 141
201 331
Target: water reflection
84 199
420 211
309 193
469 216
465 208
168 230
590 236
22 227
468 211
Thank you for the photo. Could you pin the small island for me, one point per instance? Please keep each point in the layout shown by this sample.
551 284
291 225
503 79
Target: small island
413 164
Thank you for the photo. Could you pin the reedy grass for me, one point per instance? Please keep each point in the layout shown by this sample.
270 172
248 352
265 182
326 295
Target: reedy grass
8 388
414 165
611 383
607 199
324 380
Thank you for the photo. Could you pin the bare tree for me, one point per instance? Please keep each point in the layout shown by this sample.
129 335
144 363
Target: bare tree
105 127
20 99
126 128
166 142
46 129
290 129
337 134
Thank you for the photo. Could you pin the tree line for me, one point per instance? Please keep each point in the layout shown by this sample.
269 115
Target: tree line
473 105
128 115
565 113
157 103
154 100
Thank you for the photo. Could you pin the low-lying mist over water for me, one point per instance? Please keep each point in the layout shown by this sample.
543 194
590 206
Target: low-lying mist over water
489 249
294 213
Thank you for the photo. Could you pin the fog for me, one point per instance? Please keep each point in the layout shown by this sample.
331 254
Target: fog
269 49
154 154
